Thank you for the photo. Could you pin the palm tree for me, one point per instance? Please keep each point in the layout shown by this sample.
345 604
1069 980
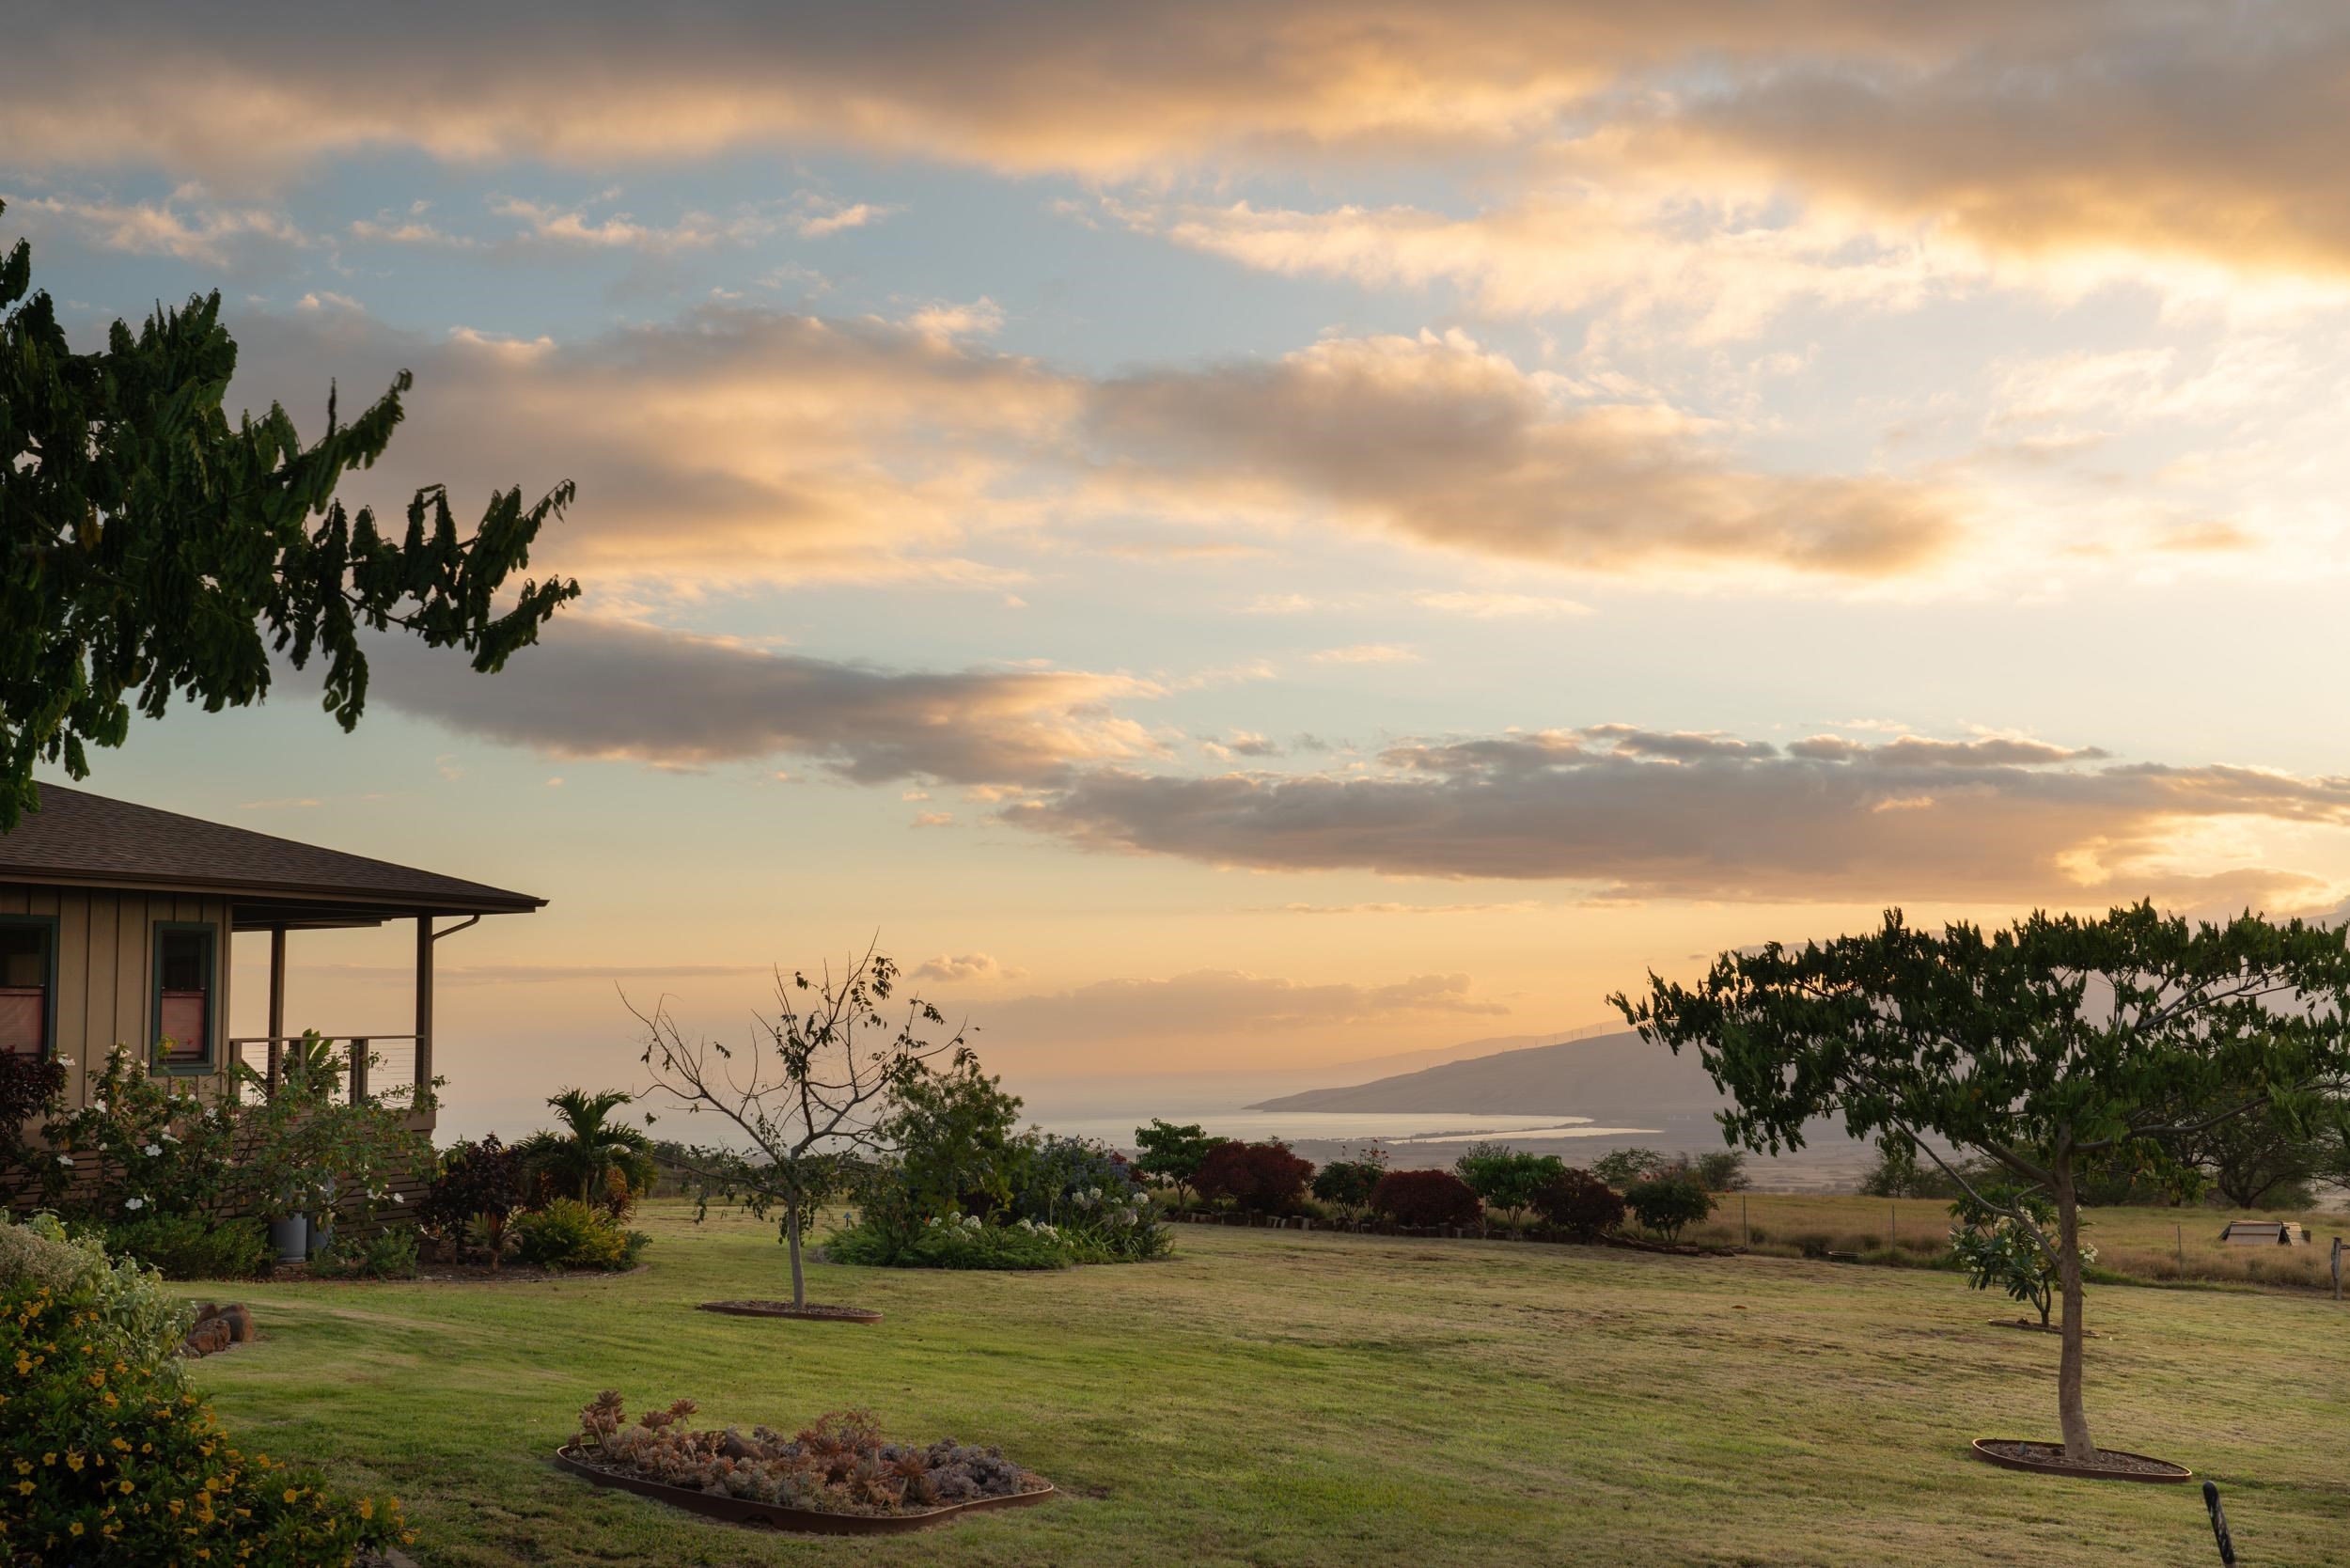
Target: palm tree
580 1158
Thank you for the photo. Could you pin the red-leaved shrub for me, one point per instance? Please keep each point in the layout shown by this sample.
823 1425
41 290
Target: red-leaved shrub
1261 1177
1425 1198
1578 1203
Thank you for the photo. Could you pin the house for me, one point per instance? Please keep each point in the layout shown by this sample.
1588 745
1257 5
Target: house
115 929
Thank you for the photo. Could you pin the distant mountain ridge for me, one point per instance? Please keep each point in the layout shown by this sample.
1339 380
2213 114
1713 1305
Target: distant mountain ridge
1607 1077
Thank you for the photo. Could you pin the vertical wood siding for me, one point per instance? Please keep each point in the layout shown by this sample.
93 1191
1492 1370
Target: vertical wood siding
105 976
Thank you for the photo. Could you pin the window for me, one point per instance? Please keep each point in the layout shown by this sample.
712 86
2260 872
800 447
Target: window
27 984
183 995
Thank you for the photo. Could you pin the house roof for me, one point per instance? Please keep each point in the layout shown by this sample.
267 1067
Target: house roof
82 840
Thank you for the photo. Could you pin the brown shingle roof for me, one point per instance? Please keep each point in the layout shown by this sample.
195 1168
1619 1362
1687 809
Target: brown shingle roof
88 839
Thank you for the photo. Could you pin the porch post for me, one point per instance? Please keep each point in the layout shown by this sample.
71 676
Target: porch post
424 1002
277 1002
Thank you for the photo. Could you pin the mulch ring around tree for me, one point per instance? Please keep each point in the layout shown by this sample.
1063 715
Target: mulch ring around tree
815 1312
2048 1459
2042 1327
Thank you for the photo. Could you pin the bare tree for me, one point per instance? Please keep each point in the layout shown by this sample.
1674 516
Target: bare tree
806 1100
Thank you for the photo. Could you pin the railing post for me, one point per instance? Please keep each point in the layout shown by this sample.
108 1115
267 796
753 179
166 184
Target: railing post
276 1003
424 1006
358 1071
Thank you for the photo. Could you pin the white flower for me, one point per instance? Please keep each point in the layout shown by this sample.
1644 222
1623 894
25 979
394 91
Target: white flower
397 1198
152 1149
134 1202
66 1160
170 1138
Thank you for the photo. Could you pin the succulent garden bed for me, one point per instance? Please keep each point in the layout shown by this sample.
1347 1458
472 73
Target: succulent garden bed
838 1476
2048 1459
815 1310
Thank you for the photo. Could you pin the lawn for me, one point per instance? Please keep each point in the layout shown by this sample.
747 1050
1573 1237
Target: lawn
1269 1397
2160 1245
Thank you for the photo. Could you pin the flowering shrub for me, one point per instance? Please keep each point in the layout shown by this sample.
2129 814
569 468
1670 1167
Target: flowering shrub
1263 1178
567 1234
143 1146
304 1152
1425 1198
960 1241
105 1456
140 1322
1578 1203
838 1466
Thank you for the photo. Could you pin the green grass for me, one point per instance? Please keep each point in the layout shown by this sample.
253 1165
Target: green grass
1277 1398
2158 1245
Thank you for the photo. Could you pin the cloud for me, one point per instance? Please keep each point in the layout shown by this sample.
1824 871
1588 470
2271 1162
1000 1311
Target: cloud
1439 440
826 220
1721 265
617 690
1486 604
2195 130
1627 813
1240 743
1221 1002
1367 654
188 227
731 443
561 226
976 967
739 444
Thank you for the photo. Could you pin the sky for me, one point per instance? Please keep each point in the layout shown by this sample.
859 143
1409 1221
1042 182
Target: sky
1234 537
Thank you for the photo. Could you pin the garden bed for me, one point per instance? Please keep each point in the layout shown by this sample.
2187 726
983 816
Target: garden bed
815 1312
2017 1453
742 1511
838 1476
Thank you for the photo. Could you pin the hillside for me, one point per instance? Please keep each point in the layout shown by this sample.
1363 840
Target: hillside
1607 1077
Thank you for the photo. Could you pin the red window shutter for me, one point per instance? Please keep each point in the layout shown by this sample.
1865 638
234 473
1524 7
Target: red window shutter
23 1019
186 1022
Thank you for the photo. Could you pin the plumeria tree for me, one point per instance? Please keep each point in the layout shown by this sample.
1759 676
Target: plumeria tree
806 1099
2058 1047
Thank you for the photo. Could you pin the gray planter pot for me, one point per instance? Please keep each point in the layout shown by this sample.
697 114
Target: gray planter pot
321 1237
290 1236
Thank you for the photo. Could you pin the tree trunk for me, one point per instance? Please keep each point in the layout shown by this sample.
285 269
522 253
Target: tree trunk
2077 1447
791 1235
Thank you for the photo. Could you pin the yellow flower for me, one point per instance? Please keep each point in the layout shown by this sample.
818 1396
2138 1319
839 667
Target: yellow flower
292 1493
125 1486
366 1508
73 1462
25 1487
77 1527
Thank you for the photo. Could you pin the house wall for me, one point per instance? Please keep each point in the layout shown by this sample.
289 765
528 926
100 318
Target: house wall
105 975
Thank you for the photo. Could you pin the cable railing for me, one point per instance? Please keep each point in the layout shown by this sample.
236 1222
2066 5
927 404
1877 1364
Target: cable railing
367 1066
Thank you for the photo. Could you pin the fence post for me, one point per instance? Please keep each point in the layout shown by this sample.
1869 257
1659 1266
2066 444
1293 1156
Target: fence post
2336 1268
2178 1242
1745 1236
1892 1226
